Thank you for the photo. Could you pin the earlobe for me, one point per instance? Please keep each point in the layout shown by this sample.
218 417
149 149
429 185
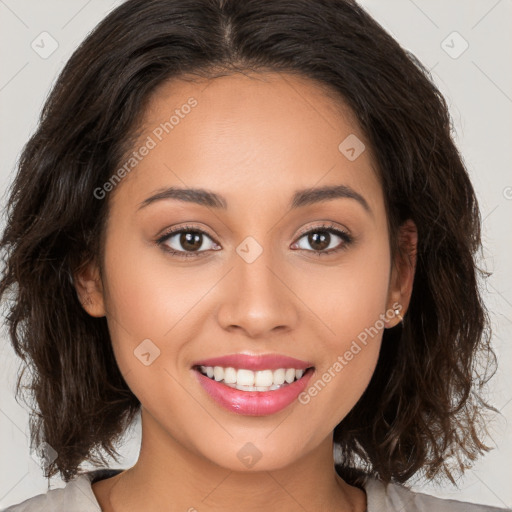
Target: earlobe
402 275
89 289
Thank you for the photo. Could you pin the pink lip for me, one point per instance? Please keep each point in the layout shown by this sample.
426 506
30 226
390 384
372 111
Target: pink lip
253 403
257 362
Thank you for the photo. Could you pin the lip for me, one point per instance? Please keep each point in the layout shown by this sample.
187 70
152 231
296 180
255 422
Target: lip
253 403
255 362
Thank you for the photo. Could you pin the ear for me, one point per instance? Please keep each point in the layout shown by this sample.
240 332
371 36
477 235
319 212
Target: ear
402 272
89 288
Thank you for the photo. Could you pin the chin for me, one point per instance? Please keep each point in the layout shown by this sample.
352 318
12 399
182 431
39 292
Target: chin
257 455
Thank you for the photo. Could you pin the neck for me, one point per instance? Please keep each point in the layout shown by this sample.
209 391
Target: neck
168 477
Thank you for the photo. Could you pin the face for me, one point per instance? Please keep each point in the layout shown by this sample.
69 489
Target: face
263 268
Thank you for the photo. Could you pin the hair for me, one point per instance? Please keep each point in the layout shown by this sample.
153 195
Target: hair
423 410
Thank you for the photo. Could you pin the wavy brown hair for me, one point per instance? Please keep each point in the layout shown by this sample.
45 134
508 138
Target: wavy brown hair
422 410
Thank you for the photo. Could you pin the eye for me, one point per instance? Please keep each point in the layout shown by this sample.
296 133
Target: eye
323 240
186 241
190 241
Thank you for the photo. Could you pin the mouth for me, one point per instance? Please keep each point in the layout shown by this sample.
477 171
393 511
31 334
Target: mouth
260 381
253 386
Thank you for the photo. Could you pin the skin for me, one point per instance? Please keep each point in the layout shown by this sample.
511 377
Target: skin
254 139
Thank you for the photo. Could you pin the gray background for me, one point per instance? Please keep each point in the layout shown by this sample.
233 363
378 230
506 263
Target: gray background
477 82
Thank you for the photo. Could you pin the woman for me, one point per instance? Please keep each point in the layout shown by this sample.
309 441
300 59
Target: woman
247 221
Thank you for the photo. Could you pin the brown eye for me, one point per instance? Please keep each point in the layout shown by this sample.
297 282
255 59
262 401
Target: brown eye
323 240
319 240
187 241
191 241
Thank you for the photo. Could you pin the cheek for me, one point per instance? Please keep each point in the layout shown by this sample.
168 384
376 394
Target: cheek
351 301
138 300
146 296
154 309
349 296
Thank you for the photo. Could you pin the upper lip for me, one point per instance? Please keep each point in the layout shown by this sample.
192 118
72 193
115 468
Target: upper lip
255 362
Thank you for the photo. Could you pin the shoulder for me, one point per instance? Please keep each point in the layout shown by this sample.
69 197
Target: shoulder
393 497
76 496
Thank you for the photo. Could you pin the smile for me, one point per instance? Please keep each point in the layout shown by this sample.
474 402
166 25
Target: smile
248 380
253 385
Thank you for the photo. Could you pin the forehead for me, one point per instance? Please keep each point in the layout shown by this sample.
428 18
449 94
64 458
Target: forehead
250 136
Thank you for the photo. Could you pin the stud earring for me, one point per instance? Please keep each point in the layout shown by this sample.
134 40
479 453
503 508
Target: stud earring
397 313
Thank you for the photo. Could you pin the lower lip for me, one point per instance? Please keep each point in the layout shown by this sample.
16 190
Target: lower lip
254 403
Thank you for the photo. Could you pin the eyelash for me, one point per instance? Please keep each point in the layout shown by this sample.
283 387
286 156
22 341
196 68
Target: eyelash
347 240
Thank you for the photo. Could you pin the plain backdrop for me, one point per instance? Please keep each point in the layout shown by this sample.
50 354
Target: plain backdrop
468 47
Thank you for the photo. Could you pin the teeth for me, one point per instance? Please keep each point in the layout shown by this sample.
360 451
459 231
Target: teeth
279 376
229 376
289 376
218 373
264 378
247 380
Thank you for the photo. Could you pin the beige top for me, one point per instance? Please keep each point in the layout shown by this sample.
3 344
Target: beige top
78 496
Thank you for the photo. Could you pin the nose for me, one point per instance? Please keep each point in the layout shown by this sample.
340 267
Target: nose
258 298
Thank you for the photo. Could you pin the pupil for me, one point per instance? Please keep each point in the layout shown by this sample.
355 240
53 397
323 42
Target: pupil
191 241
319 240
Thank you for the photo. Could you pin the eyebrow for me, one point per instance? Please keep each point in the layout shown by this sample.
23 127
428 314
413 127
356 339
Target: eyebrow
301 198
